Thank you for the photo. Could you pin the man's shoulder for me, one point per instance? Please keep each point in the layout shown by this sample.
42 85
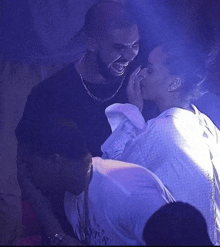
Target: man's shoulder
159 137
61 78
171 123
158 128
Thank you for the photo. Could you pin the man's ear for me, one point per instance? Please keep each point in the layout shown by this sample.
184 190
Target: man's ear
55 157
92 44
175 84
55 160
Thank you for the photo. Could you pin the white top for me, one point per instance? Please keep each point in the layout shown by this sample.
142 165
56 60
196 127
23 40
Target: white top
122 197
181 147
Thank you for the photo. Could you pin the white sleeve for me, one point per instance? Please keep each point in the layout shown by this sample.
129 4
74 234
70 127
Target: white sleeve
126 122
137 209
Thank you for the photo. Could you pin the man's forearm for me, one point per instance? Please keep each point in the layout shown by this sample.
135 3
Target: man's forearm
40 203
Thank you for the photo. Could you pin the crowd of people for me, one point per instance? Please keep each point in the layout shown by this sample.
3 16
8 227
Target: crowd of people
113 152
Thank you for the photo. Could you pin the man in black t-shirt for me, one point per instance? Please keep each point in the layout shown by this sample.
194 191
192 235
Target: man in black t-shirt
80 92
84 89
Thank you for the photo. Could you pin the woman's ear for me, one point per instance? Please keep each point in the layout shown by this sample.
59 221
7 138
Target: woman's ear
55 158
92 44
175 84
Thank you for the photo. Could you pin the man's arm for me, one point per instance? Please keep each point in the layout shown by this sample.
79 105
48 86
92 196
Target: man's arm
40 203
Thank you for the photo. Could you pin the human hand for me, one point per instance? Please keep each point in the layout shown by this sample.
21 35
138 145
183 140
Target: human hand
133 88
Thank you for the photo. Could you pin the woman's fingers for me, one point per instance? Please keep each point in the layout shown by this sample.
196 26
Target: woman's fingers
142 74
133 88
138 75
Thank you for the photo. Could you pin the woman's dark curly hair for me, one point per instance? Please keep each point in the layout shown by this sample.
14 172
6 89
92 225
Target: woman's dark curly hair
213 69
186 60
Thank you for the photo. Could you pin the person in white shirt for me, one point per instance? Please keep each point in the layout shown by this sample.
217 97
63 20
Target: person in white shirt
107 202
181 145
121 198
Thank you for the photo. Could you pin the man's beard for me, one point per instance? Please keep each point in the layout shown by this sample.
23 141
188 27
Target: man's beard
105 72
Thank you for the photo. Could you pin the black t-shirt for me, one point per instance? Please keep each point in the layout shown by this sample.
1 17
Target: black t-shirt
65 94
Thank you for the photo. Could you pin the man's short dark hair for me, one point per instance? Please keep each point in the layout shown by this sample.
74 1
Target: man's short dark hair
104 16
58 135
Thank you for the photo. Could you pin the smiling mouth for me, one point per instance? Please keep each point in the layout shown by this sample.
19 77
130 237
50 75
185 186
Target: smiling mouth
119 68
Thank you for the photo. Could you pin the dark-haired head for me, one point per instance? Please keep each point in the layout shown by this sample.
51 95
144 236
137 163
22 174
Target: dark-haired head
186 60
106 15
176 224
112 40
60 158
174 75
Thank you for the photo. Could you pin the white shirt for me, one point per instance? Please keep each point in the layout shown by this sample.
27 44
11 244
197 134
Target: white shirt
176 147
122 197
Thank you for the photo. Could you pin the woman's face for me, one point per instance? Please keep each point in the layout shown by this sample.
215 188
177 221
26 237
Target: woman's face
154 85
